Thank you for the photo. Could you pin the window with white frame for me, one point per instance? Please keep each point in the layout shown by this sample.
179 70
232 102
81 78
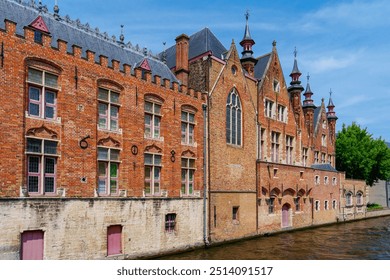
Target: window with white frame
289 149
334 204
326 180
275 146
187 127
41 166
334 181
42 94
152 174
269 108
262 144
304 156
317 205
152 119
323 140
317 180
108 170
187 176
233 119
316 157
281 113
108 102
326 205
330 159
359 199
348 199
276 86
323 156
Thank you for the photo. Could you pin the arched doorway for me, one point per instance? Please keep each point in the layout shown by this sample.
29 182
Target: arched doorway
286 215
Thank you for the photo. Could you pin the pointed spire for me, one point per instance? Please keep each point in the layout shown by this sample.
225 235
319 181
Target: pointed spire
331 114
247 59
308 102
122 37
295 73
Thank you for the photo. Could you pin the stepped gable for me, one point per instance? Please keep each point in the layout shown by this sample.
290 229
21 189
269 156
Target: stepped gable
200 43
82 35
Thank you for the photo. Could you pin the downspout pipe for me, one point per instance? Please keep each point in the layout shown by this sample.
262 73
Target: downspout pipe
205 237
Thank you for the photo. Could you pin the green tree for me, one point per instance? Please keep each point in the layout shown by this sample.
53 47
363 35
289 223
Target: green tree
361 156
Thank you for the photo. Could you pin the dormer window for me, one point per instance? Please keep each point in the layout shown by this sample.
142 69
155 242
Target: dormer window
38 37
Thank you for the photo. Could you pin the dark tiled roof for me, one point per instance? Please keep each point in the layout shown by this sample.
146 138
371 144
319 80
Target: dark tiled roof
324 166
261 65
317 115
79 34
200 43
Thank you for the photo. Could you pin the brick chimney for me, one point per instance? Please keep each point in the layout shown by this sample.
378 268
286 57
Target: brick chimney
182 47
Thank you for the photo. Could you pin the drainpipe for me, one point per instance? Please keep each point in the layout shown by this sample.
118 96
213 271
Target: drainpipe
205 239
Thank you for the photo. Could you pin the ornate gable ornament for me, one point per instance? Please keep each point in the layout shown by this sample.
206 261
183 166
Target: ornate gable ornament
188 153
40 25
109 141
153 148
43 132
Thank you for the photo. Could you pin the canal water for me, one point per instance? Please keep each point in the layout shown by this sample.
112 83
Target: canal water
359 240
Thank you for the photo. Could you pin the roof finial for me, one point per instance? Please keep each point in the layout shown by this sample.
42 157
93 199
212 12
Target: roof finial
56 10
295 52
308 77
330 93
164 54
122 37
247 15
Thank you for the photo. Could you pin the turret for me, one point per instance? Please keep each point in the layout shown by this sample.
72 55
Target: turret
295 89
332 118
309 107
247 60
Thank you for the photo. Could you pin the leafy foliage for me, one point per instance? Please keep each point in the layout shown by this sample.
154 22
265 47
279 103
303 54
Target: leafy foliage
361 156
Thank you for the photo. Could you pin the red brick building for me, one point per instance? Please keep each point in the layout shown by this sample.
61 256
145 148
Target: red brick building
133 155
89 123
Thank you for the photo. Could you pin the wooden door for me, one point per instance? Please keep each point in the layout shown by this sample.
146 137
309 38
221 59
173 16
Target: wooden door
32 245
286 215
114 240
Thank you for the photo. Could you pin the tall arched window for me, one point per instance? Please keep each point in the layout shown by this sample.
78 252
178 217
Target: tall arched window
233 119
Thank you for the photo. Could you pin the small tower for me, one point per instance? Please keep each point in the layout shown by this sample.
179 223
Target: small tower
332 118
308 108
295 89
247 60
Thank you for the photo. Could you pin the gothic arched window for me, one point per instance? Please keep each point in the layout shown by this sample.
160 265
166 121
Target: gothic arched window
233 119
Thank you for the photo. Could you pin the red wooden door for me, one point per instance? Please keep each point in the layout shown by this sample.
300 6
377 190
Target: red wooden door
114 240
286 215
32 245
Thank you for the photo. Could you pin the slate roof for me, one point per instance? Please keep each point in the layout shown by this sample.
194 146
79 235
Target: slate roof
75 33
200 43
261 65
323 166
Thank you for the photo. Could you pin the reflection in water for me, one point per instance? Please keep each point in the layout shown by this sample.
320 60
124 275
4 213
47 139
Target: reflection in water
362 240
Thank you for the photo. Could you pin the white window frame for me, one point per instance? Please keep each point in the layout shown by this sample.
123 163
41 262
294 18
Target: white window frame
106 163
112 105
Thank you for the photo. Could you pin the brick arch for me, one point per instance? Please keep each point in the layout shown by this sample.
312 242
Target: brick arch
110 84
152 97
301 192
188 153
289 191
275 192
190 108
43 64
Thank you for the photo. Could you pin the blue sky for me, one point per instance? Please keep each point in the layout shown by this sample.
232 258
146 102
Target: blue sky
344 45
